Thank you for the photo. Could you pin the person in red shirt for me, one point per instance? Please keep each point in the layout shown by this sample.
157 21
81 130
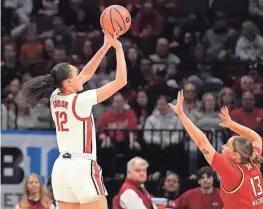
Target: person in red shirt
238 165
248 115
204 197
118 117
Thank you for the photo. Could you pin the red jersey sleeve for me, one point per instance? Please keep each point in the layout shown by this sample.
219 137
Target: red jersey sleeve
229 173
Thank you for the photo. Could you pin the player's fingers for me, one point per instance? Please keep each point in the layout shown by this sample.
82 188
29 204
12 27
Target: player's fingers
172 106
222 125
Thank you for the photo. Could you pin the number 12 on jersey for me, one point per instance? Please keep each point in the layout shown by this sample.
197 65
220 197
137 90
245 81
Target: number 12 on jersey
61 121
256 185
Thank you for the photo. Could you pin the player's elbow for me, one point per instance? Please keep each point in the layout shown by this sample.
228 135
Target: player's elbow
202 141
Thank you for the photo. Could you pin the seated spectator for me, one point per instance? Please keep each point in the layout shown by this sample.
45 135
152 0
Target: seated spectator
170 188
250 44
226 97
209 120
162 119
10 66
204 197
20 115
35 196
49 49
191 103
245 83
248 115
118 118
162 57
142 108
147 25
32 49
133 194
215 37
255 8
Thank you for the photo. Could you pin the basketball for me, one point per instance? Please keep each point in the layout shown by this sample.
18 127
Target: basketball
115 18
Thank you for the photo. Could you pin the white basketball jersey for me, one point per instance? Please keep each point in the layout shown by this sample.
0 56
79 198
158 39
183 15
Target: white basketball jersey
75 128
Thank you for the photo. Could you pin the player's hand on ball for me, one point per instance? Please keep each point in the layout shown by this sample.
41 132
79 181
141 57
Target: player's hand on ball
113 41
225 117
178 108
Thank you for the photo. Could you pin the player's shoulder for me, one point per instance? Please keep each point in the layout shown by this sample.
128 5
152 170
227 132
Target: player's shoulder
54 93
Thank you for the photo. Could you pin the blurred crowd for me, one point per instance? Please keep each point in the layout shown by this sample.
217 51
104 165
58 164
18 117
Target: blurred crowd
212 49
169 191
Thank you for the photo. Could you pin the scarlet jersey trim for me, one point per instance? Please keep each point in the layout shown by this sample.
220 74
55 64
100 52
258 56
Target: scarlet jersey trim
96 178
74 110
239 185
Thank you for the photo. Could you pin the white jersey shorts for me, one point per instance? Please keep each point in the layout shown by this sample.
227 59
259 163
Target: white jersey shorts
77 179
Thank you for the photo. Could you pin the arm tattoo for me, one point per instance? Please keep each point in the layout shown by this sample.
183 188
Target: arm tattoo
205 152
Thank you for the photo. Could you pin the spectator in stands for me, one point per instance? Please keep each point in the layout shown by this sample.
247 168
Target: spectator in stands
142 108
248 115
43 114
16 11
60 55
203 77
170 188
147 26
209 119
87 52
162 56
191 103
226 97
10 67
103 75
61 35
258 92
32 49
13 88
162 119
34 195
250 44
133 66
118 118
216 36
204 197
256 10
49 49
133 194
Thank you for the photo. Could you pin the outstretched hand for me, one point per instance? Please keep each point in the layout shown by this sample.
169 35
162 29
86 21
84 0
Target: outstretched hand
178 108
225 117
111 41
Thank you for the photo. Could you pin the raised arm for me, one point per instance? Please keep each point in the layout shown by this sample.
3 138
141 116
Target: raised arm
195 133
90 68
120 81
243 131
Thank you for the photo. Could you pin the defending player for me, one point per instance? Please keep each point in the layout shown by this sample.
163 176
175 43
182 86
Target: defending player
76 177
238 165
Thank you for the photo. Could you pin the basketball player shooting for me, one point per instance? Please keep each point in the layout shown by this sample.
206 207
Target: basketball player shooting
238 165
76 177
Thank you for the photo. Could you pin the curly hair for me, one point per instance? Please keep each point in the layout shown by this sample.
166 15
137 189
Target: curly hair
42 86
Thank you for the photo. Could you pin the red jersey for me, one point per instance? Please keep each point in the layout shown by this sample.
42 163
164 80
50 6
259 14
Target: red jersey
195 199
241 184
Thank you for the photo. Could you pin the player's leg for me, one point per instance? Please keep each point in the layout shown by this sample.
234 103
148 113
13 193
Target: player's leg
98 204
61 190
66 205
88 186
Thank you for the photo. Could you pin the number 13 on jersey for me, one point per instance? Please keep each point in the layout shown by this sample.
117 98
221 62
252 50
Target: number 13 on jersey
61 121
256 185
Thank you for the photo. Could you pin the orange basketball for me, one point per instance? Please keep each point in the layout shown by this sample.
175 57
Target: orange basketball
115 18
